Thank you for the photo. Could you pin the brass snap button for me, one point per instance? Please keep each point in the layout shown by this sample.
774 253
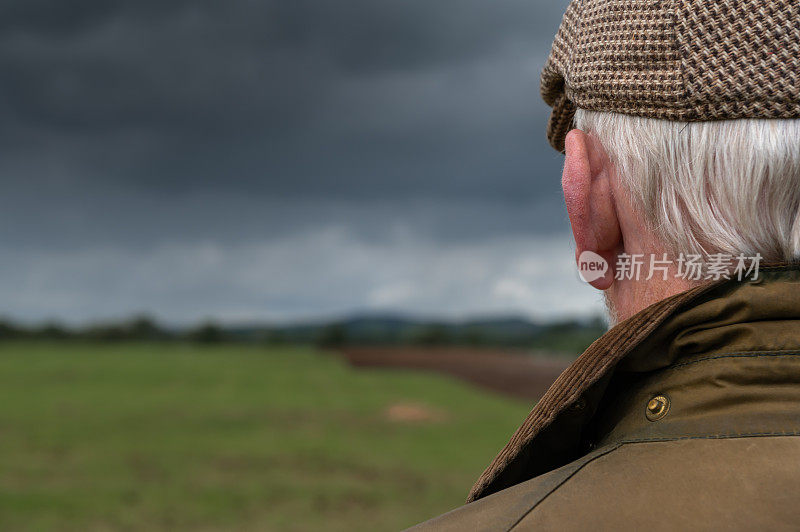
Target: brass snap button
657 408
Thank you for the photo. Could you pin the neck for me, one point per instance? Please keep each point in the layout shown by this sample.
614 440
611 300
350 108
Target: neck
626 298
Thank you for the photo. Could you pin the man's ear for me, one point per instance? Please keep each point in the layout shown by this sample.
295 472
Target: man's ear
590 202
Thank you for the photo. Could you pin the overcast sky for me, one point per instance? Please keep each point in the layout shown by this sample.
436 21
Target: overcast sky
279 160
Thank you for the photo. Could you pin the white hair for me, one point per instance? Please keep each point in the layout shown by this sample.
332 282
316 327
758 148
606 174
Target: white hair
729 186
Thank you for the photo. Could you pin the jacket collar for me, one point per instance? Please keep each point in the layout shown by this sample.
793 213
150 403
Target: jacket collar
600 397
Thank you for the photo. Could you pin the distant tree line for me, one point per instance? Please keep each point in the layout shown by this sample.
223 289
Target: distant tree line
139 328
568 336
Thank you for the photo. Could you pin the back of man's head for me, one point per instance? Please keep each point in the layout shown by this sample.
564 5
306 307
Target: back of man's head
727 186
689 141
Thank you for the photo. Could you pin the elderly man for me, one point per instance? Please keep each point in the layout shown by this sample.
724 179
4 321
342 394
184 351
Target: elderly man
680 120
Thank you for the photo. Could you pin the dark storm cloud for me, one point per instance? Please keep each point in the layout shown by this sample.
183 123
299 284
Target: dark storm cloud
283 96
171 122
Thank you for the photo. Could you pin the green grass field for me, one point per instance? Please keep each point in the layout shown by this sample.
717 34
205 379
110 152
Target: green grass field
172 436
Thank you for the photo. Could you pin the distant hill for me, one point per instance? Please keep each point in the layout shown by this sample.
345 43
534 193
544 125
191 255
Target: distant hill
566 336
570 336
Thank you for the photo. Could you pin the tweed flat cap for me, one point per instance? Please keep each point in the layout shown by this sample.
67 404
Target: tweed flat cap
687 60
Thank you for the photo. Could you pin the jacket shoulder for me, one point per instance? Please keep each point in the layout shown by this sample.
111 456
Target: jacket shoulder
702 483
505 509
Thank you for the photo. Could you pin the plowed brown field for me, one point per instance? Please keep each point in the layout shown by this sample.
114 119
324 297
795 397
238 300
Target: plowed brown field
517 374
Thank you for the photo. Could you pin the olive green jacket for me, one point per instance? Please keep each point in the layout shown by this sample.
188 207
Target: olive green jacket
685 416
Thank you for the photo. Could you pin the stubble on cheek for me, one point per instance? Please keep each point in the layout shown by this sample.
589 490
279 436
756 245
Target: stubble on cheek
611 309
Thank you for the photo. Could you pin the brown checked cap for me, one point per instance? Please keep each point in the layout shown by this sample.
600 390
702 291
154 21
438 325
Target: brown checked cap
687 60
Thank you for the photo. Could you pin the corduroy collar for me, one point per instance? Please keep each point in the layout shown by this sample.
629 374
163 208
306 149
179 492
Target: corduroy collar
551 434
